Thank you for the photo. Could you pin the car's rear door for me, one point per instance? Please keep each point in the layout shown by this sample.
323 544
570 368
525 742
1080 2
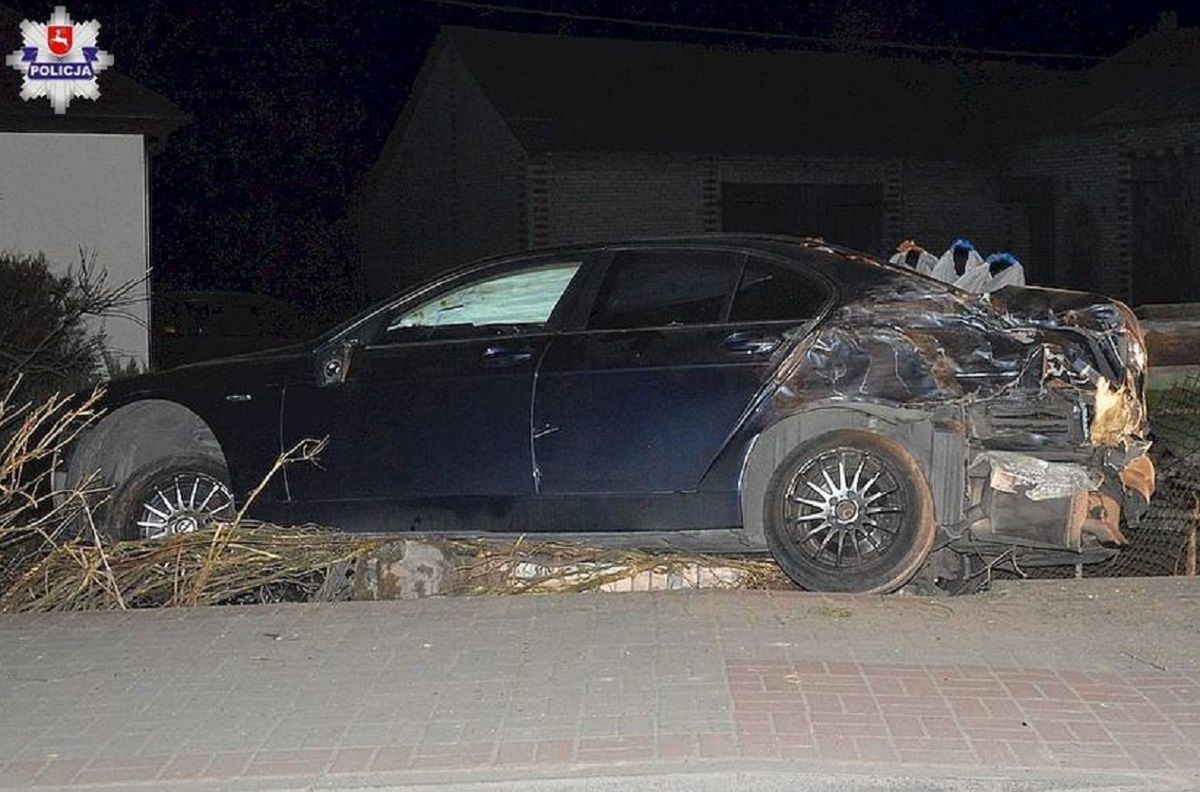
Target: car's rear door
430 427
639 401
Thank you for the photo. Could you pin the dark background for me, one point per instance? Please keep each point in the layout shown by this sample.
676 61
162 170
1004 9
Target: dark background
290 102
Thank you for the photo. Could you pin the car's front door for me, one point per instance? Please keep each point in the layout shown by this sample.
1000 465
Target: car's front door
429 426
638 403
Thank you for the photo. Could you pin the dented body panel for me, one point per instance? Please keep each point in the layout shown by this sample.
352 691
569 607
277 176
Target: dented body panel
1038 392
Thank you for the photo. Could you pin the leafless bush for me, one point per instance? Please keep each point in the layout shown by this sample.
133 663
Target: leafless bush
255 563
45 340
54 558
36 518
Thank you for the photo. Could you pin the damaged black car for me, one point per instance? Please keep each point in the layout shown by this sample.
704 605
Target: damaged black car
861 422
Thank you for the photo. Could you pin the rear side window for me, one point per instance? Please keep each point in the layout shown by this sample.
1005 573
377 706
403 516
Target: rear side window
768 293
663 288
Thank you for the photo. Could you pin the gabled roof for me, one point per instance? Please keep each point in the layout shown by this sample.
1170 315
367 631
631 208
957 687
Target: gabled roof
1156 78
571 93
123 106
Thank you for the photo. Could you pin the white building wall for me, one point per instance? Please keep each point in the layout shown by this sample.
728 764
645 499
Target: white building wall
62 192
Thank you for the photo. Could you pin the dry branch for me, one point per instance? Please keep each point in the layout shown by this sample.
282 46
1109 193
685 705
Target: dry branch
259 562
36 519
486 567
255 563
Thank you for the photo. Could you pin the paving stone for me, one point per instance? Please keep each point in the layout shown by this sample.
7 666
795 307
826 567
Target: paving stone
1037 676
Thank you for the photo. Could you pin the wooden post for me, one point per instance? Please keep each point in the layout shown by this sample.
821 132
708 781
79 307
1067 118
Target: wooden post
1189 562
1189 551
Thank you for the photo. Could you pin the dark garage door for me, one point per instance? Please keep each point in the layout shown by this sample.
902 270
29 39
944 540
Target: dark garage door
1165 200
844 214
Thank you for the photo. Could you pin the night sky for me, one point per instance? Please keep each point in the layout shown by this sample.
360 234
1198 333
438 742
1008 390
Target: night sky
290 101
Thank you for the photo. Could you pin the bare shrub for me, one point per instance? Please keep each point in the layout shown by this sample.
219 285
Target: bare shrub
36 518
45 340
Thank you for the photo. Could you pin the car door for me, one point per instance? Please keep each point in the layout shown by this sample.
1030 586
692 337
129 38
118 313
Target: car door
677 344
429 425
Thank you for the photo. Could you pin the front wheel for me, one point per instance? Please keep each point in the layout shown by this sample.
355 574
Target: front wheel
177 495
850 511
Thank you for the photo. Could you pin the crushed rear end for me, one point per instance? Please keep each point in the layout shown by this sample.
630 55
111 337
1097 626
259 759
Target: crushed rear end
1026 407
1058 457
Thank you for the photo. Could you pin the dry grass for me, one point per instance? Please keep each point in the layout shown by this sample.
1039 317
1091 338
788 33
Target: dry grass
248 563
258 563
548 567
35 518
54 557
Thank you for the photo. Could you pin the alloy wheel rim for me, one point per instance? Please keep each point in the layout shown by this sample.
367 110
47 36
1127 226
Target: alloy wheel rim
844 508
183 503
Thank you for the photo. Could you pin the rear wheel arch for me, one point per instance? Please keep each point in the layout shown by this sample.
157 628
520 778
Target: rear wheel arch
943 467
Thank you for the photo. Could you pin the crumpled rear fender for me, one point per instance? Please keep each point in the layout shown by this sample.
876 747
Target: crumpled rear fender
1046 378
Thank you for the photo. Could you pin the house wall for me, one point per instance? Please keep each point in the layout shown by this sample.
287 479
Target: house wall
459 185
585 197
944 200
570 197
1083 169
62 192
1091 176
449 187
588 196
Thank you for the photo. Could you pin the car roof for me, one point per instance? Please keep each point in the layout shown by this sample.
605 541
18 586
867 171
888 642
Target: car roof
778 243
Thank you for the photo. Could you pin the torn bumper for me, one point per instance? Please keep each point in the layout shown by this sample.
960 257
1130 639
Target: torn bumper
1075 506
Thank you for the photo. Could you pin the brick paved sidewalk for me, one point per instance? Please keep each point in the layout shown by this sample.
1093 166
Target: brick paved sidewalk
1079 677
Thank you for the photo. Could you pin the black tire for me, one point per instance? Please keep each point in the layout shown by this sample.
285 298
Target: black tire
891 527
128 505
948 573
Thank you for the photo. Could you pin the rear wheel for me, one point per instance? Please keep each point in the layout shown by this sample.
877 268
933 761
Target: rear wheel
177 495
850 511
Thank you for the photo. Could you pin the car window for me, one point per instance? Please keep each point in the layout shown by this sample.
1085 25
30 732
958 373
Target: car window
662 287
511 302
769 293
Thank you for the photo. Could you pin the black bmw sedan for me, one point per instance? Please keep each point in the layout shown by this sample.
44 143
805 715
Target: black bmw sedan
857 420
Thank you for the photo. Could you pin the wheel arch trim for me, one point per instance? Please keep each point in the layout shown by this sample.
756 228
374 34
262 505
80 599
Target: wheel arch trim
137 433
941 453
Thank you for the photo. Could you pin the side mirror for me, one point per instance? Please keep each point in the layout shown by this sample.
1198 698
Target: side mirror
334 364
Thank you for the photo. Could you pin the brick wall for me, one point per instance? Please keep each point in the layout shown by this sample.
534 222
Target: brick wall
1090 172
1083 171
449 188
579 197
944 200
583 197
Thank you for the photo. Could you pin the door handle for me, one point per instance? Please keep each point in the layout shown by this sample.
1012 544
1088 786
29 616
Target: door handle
507 356
751 343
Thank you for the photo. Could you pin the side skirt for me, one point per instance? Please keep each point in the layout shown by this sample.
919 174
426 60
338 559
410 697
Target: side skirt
589 516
